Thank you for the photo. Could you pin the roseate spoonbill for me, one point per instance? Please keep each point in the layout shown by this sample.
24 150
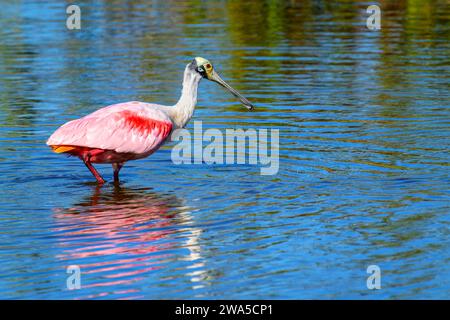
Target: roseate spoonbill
133 130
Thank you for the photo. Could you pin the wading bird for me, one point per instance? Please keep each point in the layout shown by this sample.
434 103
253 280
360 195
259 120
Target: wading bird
133 130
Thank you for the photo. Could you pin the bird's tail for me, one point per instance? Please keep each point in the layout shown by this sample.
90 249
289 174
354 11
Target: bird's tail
62 149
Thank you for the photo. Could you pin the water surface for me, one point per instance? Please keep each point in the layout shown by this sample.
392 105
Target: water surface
363 180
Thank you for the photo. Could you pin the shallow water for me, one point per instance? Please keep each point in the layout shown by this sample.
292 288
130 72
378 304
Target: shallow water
363 179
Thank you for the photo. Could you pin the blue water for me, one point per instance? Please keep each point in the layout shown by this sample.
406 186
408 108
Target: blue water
363 179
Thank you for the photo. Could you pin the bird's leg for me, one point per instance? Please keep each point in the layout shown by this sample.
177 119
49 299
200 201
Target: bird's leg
117 166
93 171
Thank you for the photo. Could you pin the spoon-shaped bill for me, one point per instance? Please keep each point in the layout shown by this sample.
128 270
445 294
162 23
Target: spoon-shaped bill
216 78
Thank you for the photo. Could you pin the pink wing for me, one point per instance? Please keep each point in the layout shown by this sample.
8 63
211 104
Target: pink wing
131 127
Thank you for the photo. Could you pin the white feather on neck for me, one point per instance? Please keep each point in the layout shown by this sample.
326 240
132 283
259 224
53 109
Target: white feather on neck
183 110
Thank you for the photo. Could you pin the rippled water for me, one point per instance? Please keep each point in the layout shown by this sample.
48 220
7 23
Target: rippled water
364 126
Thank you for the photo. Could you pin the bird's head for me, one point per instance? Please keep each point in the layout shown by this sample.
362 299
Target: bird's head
207 71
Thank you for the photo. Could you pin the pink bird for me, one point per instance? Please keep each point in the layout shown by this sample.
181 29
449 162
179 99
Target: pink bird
133 130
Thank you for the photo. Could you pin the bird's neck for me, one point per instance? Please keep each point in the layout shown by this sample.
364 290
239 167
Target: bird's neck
184 109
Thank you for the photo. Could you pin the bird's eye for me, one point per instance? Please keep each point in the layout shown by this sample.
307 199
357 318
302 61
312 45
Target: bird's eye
208 66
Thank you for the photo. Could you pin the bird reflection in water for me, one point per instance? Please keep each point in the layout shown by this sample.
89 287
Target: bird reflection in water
120 234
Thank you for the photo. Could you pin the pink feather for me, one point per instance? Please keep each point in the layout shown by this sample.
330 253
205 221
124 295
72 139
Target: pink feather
131 127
